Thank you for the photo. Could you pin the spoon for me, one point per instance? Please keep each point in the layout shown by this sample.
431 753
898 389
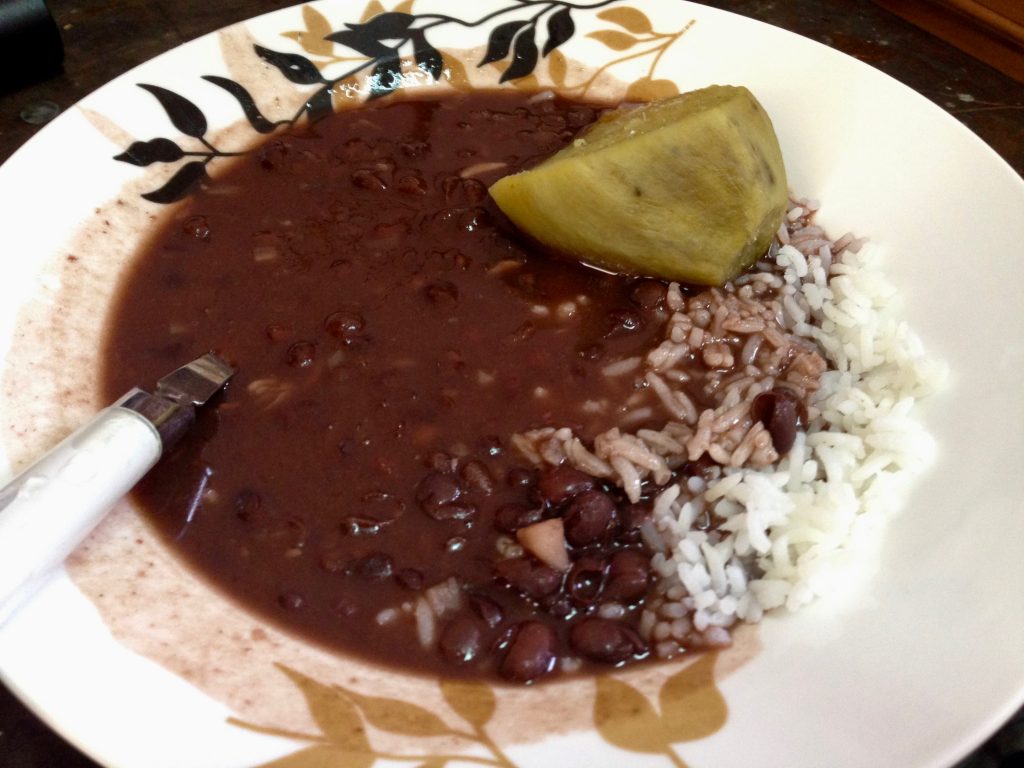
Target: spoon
48 509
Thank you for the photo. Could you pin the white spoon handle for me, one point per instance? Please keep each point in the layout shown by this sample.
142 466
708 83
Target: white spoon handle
47 510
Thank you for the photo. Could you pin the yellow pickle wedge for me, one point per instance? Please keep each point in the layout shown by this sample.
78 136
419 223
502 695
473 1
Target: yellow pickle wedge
691 188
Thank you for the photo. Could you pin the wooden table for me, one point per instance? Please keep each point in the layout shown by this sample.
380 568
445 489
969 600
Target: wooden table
103 38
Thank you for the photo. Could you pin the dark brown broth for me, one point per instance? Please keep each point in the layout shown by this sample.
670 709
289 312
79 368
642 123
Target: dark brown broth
386 320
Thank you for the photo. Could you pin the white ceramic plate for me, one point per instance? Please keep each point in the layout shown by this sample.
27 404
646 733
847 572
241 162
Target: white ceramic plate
140 664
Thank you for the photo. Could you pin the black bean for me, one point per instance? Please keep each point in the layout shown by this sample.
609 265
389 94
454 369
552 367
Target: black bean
589 518
374 567
622 321
412 184
247 504
474 190
648 294
290 601
359 525
334 561
780 412
456 511
587 578
437 490
511 517
559 484
529 577
273 155
461 640
492 444
633 516
606 641
531 653
524 332
486 609
343 324
301 354
441 462
526 280
442 292
365 179
519 477
629 576
383 507
411 579
292 532
355 149
197 226
414 148
346 608
554 121
473 219
560 606
577 117
451 188
276 332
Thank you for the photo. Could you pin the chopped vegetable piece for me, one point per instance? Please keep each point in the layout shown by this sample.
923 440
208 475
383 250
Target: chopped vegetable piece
546 541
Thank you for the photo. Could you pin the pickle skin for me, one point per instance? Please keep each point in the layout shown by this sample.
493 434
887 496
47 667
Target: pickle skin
692 188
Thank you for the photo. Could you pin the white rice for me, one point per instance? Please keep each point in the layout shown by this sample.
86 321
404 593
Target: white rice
792 531
790 528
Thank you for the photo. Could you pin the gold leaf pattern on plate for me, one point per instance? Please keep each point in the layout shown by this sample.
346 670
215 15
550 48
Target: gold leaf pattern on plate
312 37
631 19
625 718
320 757
647 89
617 41
334 713
397 716
372 9
692 707
473 701
344 743
558 67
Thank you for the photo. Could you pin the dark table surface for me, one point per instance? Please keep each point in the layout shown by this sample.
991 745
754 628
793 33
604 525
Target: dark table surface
103 38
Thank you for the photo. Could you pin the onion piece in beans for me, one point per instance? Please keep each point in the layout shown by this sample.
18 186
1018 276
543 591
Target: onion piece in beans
546 541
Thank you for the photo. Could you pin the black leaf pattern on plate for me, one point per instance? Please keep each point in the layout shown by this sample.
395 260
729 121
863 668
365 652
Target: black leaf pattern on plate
248 104
184 115
524 56
359 41
152 151
386 77
180 184
383 40
298 69
385 26
320 105
560 29
500 41
428 58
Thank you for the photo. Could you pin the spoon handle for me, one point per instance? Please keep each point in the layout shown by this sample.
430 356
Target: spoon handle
47 510
50 507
